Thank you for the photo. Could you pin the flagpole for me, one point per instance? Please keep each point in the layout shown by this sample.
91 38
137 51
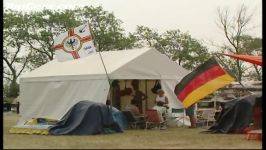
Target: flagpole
108 78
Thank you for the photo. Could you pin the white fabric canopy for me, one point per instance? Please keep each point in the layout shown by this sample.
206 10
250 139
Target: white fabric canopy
50 90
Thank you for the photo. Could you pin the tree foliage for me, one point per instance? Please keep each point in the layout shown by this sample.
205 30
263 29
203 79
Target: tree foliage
15 56
108 35
235 27
29 37
252 46
107 30
180 47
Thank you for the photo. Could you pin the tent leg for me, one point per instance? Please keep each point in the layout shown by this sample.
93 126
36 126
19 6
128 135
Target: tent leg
146 92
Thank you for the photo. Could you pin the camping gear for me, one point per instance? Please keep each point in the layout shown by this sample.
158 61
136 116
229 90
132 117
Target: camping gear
204 80
156 87
254 135
134 121
34 126
86 118
120 119
236 116
30 129
207 116
41 121
153 119
53 88
177 116
126 91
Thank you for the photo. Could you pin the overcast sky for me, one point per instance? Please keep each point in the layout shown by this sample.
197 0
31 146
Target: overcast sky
195 16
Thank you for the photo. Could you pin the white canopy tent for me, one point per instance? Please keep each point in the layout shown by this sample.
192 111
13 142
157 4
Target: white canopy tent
52 89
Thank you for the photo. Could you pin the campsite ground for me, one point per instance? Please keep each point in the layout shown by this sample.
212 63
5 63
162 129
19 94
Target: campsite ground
171 138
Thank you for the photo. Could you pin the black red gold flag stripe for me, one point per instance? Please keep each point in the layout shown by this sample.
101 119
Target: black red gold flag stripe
201 82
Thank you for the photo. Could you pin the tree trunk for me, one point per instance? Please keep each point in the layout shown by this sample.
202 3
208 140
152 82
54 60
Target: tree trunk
258 73
13 90
179 61
239 69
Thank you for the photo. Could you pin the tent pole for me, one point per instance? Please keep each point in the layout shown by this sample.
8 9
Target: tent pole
146 92
94 42
105 68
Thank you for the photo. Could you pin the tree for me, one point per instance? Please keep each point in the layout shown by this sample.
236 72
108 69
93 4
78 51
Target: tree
106 29
42 29
252 46
234 26
29 37
45 25
184 49
147 37
15 57
180 47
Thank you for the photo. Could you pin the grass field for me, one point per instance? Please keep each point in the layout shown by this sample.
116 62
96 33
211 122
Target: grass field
172 138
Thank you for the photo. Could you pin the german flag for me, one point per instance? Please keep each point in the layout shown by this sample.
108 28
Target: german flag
201 82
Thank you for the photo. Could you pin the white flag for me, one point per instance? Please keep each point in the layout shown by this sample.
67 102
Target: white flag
74 44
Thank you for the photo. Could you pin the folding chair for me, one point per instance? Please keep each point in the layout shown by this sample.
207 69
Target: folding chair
134 121
179 114
153 119
208 116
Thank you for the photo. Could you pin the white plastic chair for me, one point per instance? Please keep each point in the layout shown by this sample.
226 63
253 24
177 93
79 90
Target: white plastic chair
208 115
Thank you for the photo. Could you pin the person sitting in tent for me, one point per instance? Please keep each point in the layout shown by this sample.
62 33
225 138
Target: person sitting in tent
190 112
138 95
138 117
133 108
161 99
161 104
162 112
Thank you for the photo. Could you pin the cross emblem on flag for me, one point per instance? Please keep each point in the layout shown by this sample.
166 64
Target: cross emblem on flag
74 44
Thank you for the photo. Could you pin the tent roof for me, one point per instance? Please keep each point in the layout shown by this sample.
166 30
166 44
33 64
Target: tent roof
144 63
248 58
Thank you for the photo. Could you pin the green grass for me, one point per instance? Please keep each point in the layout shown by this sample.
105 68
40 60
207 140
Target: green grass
172 138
